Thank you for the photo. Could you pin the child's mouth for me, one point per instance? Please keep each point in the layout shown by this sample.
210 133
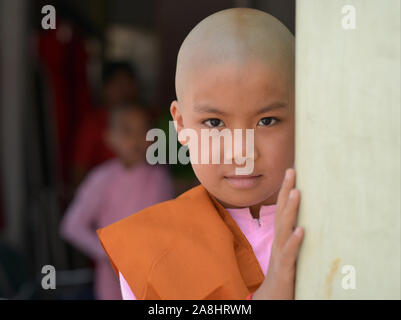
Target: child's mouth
243 182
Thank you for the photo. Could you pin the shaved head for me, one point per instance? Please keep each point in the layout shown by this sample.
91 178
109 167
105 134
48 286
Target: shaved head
236 70
235 36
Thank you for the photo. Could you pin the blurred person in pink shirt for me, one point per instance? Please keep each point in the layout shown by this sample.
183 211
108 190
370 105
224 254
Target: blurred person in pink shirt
114 190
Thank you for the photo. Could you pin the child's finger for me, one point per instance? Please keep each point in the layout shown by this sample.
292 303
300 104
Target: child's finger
284 192
289 214
293 244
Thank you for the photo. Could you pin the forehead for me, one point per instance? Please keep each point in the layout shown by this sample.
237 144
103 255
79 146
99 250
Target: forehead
235 85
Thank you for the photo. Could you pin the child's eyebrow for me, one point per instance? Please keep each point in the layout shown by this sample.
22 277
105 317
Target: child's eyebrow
210 109
272 106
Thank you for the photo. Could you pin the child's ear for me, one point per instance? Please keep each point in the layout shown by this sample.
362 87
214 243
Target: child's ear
177 117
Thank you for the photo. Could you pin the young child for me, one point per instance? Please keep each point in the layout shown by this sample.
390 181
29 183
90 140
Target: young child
119 84
114 190
233 236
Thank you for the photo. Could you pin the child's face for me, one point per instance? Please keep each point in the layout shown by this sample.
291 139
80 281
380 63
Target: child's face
120 88
126 136
238 93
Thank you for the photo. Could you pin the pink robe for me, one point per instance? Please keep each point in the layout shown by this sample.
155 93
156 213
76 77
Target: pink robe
110 193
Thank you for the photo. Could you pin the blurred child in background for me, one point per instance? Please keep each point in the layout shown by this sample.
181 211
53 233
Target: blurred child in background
119 85
114 190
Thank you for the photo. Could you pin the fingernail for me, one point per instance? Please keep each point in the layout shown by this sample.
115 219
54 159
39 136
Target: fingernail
298 231
292 194
287 174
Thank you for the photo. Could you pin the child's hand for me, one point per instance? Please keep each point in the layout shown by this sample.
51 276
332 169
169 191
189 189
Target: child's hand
280 278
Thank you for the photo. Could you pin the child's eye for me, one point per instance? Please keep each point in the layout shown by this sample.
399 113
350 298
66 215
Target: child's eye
267 121
213 123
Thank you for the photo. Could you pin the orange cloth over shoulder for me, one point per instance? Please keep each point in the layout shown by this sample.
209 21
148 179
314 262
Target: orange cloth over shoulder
189 248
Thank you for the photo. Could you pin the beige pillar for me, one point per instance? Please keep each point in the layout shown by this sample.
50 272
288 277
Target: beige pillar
348 148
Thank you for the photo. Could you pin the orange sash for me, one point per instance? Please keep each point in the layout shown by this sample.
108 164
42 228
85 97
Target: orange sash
186 248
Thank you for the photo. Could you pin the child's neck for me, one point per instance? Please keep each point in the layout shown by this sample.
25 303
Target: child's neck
255 209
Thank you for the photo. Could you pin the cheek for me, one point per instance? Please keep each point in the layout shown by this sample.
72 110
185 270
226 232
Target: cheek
208 150
201 172
276 147
208 175
127 142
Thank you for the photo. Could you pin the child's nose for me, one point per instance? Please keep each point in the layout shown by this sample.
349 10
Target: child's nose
243 147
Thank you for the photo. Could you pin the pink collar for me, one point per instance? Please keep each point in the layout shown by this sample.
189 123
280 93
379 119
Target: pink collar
264 210
244 217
